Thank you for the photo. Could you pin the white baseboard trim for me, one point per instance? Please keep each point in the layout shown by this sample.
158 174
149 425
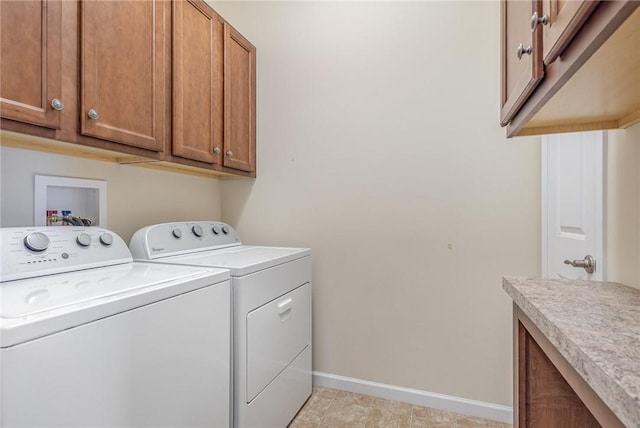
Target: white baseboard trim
418 397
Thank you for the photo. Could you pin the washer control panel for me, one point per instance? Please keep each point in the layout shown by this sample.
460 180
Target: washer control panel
170 239
28 252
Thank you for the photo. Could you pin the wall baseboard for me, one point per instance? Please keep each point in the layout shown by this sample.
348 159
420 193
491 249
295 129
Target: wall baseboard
418 397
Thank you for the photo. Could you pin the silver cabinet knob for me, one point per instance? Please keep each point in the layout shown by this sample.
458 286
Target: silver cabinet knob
229 153
535 20
57 104
216 150
588 263
522 50
93 114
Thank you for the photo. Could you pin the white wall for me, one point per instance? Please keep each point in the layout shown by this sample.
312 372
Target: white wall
379 147
622 246
136 196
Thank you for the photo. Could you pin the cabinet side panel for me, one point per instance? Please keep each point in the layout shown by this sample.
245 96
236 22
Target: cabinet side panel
550 401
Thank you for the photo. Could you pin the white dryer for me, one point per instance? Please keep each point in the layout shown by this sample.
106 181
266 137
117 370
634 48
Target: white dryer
271 293
90 338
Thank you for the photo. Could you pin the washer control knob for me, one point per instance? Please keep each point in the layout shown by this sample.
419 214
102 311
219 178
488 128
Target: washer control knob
197 230
215 229
106 239
177 233
225 230
36 241
84 240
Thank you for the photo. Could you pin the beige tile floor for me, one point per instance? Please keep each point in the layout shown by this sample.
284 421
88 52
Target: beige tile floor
330 408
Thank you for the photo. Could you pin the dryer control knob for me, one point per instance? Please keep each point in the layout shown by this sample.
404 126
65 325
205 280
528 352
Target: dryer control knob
225 230
84 240
36 241
215 229
177 233
197 230
106 239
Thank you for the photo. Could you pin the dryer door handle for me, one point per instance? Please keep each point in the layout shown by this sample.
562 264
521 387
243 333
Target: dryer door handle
285 306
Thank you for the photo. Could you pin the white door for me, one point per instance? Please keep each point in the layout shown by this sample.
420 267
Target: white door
573 173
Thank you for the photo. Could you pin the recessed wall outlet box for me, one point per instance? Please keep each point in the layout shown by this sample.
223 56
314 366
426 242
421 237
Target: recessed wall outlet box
81 197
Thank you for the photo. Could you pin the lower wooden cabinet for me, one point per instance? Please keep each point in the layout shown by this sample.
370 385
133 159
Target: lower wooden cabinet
546 399
548 392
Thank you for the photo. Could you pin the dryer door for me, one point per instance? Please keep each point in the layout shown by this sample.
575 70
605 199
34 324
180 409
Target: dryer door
277 333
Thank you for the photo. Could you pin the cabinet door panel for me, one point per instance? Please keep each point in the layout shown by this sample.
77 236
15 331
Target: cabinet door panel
565 19
122 71
520 75
30 37
239 101
197 82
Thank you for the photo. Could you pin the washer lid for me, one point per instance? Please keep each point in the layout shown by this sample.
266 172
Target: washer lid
241 260
36 307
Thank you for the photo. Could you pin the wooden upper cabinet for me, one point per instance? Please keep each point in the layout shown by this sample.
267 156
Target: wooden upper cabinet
160 80
197 82
522 67
122 74
239 101
583 71
561 20
30 37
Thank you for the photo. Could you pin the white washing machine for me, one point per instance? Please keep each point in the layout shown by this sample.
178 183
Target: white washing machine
271 293
89 338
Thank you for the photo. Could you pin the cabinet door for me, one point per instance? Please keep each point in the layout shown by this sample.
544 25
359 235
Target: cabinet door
563 20
197 82
31 63
122 71
239 101
522 66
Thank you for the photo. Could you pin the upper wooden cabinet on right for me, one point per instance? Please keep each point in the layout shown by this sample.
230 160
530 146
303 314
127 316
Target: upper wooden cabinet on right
569 65
560 21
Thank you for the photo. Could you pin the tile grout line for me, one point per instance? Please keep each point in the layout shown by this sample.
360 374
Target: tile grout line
333 398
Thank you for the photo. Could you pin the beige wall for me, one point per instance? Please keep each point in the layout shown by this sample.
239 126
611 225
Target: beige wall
622 244
379 148
136 196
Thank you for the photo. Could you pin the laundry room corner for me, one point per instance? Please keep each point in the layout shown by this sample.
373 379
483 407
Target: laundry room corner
378 151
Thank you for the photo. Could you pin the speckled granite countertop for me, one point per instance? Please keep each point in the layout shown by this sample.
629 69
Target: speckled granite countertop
596 328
